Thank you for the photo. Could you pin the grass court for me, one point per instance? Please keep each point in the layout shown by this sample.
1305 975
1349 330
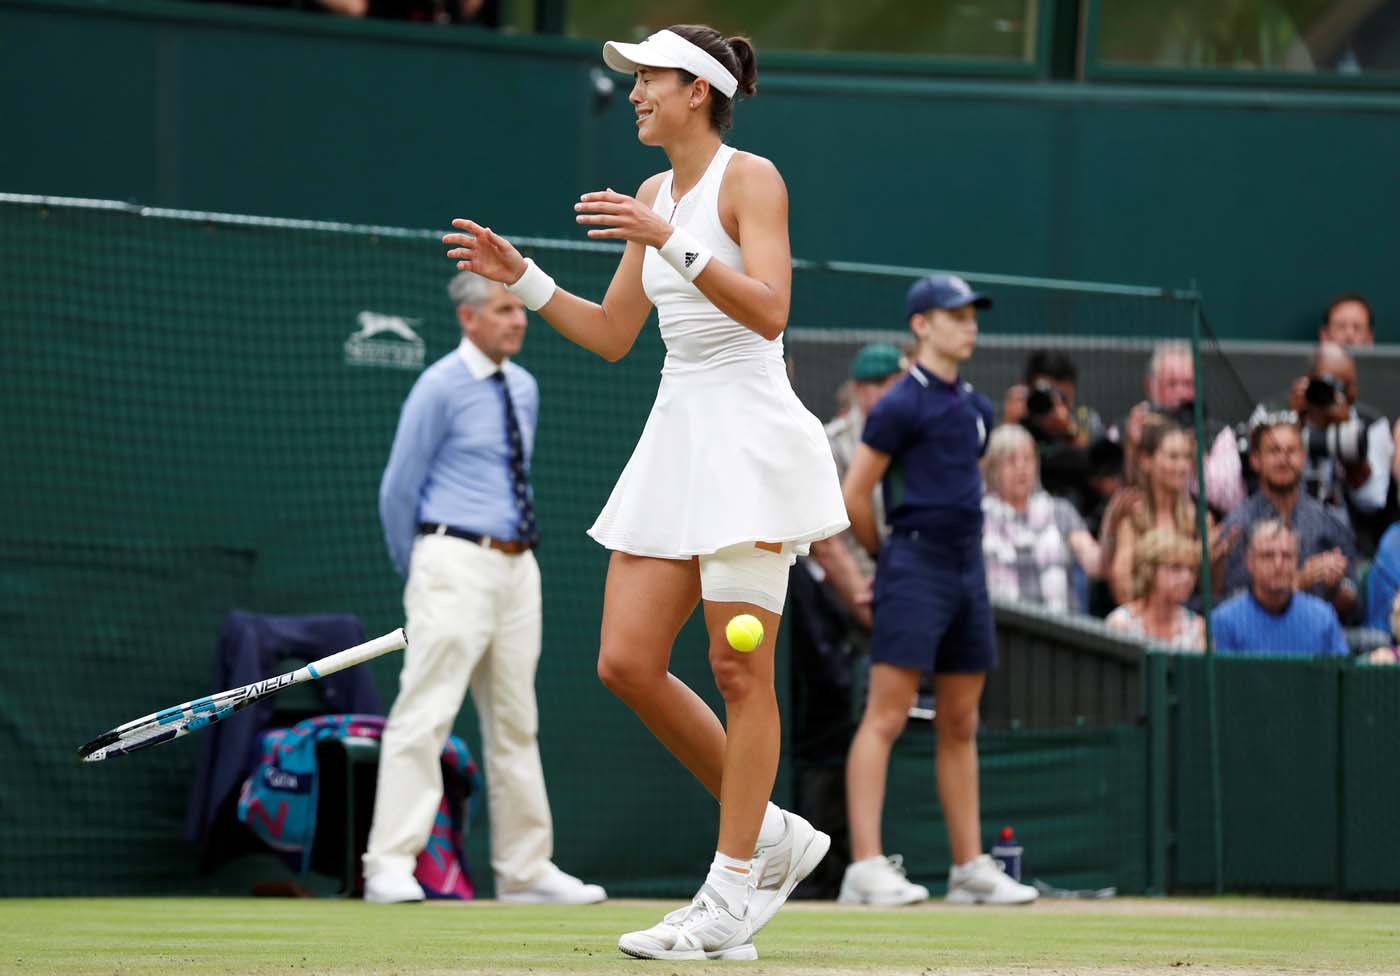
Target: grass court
1137 936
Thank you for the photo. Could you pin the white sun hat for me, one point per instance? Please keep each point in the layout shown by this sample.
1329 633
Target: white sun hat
667 49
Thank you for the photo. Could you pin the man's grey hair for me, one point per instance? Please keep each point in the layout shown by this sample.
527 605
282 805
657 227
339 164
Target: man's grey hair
1163 351
1269 528
467 288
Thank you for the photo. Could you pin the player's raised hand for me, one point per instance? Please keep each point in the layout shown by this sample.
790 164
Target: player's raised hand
484 252
624 217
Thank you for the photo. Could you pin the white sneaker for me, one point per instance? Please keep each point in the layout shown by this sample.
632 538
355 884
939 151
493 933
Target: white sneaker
392 887
554 887
704 929
780 867
879 881
982 882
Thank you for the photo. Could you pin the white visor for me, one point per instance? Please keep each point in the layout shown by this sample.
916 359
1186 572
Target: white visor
666 49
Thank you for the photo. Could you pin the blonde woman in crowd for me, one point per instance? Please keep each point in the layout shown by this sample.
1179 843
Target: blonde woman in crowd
1164 577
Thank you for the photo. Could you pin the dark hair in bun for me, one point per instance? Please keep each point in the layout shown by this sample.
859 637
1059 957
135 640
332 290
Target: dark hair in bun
736 54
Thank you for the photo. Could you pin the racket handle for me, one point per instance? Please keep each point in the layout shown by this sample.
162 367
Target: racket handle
393 641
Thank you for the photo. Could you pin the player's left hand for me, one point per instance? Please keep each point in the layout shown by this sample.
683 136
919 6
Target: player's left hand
629 220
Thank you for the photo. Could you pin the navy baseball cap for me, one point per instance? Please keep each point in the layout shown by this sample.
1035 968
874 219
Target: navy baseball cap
943 291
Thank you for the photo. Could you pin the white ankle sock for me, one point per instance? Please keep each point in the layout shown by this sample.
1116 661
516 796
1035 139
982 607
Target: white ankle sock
773 825
730 877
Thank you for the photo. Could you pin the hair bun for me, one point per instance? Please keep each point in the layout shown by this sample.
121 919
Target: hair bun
748 65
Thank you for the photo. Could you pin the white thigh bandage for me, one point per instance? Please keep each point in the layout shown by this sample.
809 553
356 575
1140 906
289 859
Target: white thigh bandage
746 574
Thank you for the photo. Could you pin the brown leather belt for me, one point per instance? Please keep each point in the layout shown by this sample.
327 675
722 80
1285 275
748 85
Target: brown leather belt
511 547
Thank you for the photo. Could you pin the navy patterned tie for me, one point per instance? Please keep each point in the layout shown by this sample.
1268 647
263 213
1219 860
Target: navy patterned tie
519 479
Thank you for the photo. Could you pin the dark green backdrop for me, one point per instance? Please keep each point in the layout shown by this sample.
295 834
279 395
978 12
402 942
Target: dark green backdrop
1270 200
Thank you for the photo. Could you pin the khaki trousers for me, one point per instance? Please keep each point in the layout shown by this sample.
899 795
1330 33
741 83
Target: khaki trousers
473 621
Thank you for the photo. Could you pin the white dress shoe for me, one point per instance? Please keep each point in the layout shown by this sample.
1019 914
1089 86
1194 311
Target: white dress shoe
392 887
554 887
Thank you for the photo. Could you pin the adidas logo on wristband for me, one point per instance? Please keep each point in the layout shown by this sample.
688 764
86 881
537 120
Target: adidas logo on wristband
690 257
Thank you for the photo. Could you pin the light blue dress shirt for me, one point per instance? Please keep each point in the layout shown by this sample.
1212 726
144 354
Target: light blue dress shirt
450 462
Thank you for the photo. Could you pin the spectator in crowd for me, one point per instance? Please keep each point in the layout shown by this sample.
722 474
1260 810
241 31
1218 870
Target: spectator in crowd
1164 577
1391 653
1325 544
1171 391
459 520
1160 498
843 561
1272 617
1348 322
1348 447
1069 436
1032 542
1383 582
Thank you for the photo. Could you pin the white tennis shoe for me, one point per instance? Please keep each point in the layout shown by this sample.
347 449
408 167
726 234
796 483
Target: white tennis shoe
704 929
983 882
879 881
779 867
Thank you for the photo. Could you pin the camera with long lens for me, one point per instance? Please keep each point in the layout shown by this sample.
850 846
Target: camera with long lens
1324 391
1042 398
1344 442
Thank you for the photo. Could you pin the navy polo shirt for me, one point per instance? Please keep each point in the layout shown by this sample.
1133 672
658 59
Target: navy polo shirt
934 433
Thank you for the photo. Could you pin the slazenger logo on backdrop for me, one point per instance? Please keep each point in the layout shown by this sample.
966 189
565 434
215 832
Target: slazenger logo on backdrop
384 340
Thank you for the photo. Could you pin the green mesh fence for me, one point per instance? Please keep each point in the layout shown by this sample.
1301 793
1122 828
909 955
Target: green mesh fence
204 407
198 409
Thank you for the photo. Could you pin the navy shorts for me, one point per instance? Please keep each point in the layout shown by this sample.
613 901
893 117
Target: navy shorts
931 607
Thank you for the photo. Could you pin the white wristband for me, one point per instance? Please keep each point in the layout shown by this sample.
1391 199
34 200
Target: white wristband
684 252
535 288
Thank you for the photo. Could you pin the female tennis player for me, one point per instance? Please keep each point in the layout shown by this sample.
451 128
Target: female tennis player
732 478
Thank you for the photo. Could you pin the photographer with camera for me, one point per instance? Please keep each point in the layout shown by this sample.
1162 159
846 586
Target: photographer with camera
1347 446
1077 461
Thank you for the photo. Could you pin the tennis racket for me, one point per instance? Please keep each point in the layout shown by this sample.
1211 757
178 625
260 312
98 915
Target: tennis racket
171 723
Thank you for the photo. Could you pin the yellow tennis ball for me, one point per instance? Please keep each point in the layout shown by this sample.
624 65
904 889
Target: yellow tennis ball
744 632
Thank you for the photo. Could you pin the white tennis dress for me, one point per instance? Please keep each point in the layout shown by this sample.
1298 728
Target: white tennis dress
729 454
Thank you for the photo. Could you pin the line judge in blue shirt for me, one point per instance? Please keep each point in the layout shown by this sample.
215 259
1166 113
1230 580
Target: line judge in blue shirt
1273 617
459 520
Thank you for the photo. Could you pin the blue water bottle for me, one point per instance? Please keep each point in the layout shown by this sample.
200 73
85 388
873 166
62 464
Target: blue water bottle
1007 852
